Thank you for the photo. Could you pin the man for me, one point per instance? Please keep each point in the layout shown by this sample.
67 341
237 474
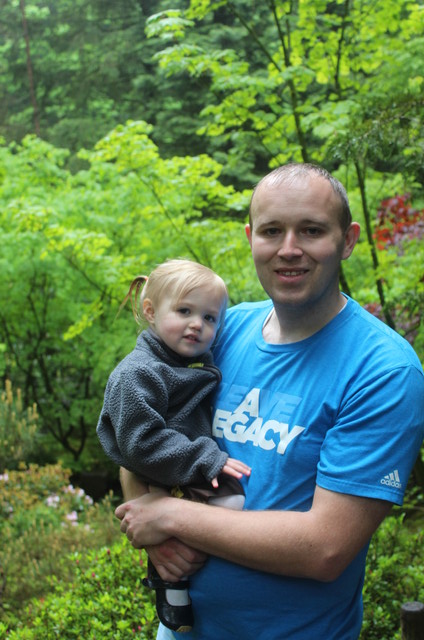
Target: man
325 404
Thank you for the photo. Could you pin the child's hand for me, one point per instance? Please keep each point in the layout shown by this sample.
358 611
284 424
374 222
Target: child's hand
235 468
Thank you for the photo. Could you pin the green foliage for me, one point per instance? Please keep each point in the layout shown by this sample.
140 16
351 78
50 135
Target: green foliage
105 600
298 79
18 428
394 575
42 519
333 83
91 69
82 238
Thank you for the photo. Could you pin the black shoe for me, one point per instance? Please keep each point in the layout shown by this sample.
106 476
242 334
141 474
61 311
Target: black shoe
178 618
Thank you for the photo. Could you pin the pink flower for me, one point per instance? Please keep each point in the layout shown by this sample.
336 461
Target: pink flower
72 517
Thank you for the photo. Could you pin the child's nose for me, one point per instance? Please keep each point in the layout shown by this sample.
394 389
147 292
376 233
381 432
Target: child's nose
196 322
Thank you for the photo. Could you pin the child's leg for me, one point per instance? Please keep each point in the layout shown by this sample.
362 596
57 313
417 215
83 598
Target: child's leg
173 603
235 502
229 494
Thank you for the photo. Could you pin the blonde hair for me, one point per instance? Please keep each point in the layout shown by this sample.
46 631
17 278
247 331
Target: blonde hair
173 279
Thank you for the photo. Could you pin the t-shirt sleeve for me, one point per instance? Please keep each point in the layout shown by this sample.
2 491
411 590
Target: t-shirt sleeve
372 448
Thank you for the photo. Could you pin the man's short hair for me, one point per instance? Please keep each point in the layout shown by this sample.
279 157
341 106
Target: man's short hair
293 171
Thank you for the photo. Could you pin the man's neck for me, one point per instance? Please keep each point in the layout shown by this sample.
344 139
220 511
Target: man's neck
287 325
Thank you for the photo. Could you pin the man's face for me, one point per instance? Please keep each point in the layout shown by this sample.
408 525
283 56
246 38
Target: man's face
298 243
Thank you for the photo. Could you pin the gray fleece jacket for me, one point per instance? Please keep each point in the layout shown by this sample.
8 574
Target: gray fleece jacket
156 416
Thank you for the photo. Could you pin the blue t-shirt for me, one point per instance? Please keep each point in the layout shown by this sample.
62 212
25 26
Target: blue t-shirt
343 409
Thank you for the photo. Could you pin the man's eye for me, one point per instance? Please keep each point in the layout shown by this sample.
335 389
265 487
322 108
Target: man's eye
272 231
312 231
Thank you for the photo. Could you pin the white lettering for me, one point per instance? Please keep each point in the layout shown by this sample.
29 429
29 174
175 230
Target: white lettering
220 419
250 404
253 432
234 429
234 426
391 483
287 437
271 426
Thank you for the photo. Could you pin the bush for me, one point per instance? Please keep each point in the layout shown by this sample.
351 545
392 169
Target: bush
66 572
394 575
18 426
42 519
105 600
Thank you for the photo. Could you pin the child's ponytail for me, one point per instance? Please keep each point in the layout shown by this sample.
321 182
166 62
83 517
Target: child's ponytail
135 295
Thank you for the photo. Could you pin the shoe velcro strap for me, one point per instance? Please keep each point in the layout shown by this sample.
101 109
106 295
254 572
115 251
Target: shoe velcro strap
155 582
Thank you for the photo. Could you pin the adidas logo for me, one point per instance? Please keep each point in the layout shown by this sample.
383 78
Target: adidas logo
392 480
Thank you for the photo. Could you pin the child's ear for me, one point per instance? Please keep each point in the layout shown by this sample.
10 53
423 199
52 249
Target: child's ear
148 310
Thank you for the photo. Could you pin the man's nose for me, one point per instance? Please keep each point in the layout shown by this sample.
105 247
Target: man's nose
290 245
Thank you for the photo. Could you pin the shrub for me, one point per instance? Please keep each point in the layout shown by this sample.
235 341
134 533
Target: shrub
394 575
105 600
42 519
18 426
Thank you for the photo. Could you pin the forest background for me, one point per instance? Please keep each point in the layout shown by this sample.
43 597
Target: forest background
134 131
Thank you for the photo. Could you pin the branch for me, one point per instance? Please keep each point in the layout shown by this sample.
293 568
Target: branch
29 69
340 47
371 244
290 82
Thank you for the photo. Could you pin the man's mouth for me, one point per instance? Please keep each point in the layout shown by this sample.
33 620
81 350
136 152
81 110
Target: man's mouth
290 273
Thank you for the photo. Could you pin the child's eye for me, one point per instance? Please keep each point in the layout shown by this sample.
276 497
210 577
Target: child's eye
184 311
210 318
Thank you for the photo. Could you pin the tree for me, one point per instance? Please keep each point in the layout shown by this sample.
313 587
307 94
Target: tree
72 71
336 83
73 243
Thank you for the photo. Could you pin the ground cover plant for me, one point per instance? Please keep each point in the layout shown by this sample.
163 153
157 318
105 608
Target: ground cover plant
104 600
44 518
394 576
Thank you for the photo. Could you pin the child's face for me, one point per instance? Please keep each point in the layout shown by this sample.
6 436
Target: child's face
188 327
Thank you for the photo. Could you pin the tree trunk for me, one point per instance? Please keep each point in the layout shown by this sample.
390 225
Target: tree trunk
30 70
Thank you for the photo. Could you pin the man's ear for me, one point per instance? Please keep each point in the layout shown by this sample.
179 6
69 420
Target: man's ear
148 310
248 231
351 238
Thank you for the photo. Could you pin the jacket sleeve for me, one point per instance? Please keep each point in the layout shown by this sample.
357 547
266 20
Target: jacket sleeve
134 434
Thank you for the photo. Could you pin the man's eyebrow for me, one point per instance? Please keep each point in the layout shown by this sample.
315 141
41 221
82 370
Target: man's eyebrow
269 223
312 221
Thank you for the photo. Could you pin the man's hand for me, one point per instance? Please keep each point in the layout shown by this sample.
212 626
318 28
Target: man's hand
141 522
141 519
175 560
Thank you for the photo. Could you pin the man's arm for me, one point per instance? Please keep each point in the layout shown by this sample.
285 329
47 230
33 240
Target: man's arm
172 558
318 544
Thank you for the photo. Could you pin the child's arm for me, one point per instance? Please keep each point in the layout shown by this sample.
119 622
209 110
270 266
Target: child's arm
135 434
132 486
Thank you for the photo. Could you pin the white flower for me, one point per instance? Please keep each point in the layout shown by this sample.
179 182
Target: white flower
69 489
52 501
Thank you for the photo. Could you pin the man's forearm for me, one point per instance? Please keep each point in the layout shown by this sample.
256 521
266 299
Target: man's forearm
270 541
317 544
